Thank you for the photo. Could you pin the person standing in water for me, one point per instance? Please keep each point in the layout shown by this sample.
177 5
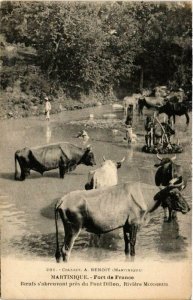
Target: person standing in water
47 108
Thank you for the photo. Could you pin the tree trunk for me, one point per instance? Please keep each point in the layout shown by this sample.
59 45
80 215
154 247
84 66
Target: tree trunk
141 80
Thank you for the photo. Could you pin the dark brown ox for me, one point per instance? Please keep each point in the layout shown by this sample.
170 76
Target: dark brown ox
169 173
99 211
175 109
64 156
143 102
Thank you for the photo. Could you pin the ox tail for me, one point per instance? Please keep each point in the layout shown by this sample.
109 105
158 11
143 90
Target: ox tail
16 164
57 254
95 183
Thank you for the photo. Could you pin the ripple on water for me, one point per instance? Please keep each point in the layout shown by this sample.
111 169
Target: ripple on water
29 228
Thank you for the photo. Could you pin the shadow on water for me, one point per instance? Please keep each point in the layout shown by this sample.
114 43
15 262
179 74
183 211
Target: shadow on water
45 244
7 176
48 211
170 239
36 244
30 228
36 175
109 241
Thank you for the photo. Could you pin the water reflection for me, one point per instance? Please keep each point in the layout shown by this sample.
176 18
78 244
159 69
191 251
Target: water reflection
35 244
129 153
109 240
48 133
30 226
170 239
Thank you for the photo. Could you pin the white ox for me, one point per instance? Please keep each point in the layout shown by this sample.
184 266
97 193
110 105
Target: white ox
104 176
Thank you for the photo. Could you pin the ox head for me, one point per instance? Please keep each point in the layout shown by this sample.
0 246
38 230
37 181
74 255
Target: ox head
172 198
118 163
164 161
88 157
169 173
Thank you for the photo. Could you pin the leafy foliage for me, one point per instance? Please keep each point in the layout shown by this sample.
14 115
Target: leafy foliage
88 46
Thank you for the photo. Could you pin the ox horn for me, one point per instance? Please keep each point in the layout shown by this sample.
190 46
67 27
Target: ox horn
123 159
174 157
104 158
161 187
173 186
159 157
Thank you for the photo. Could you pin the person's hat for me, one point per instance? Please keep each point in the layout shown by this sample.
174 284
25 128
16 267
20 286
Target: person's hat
46 98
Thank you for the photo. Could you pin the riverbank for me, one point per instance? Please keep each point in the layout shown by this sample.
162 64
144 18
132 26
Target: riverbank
25 105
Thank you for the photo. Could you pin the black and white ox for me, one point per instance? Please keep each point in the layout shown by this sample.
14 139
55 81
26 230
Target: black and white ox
169 173
100 211
104 176
64 156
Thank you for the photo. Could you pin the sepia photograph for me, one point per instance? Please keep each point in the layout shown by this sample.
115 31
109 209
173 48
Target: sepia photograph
96 150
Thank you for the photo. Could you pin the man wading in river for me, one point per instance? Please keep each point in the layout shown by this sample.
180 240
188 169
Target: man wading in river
47 108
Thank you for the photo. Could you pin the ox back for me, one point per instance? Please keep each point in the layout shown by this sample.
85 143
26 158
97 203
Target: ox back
64 156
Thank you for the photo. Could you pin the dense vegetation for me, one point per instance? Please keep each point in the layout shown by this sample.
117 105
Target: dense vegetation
89 51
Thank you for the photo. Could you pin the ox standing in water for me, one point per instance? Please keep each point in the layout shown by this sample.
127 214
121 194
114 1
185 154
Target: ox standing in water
173 109
127 101
169 173
104 176
100 211
64 156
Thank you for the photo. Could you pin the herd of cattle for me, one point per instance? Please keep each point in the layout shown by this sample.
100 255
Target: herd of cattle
104 205
170 104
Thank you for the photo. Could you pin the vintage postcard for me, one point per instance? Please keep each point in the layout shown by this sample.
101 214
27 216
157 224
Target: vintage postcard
96 150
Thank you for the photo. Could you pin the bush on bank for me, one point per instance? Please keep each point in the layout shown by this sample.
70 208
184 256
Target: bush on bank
80 53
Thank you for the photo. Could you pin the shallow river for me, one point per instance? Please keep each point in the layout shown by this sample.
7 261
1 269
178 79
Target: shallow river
28 228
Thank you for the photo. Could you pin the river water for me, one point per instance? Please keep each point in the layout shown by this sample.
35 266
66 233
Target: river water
28 228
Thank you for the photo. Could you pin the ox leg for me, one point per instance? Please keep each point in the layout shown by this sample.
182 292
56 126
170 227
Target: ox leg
170 215
89 186
174 214
126 239
23 175
187 118
165 214
133 235
22 168
61 168
71 233
147 140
